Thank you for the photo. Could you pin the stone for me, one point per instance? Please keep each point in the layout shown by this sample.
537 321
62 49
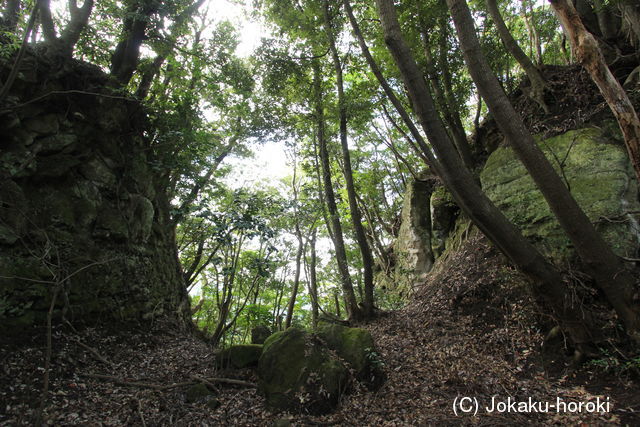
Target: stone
414 258
297 373
198 393
56 165
598 173
43 125
444 212
55 143
356 347
141 218
259 334
111 224
239 356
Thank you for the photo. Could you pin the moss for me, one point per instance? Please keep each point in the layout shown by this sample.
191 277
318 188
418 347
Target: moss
240 356
597 173
356 347
297 373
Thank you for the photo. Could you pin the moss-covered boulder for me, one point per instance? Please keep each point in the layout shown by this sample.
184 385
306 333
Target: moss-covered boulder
356 347
598 173
239 356
297 373
198 393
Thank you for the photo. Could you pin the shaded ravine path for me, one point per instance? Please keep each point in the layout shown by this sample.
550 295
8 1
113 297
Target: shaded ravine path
466 333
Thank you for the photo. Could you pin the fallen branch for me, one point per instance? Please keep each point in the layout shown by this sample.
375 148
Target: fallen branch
163 387
93 351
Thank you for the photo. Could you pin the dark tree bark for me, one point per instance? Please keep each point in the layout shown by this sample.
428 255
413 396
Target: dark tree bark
545 278
589 55
313 280
126 55
538 84
165 50
70 35
600 261
353 311
354 210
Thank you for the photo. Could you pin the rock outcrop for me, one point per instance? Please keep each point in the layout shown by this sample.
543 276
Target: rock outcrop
82 212
596 169
412 248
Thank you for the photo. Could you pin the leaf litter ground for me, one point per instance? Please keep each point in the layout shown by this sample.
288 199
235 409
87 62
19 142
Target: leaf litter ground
467 333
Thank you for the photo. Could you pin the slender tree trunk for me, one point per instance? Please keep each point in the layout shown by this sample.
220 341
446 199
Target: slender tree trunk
449 111
313 280
589 55
353 311
538 84
354 210
296 279
467 193
603 265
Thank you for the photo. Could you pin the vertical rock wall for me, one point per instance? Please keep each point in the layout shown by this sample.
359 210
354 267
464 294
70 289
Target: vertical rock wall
81 209
414 257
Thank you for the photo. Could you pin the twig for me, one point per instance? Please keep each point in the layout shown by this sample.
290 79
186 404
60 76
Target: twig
93 351
140 412
163 387
232 381
204 381
47 359
66 92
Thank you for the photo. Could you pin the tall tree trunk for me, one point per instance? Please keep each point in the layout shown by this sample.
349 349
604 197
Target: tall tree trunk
313 280
589 55
601 263
475 204
538 83
353 311
354 210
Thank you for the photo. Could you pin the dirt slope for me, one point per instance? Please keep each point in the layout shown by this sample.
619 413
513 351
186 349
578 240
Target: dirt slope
468 333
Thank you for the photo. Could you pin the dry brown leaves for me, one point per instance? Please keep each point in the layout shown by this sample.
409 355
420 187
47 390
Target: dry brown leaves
468 332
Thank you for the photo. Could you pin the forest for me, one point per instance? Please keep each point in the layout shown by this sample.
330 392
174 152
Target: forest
319 212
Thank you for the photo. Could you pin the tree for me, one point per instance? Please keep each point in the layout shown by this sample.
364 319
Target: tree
538 84
468 195
589 55
356 216
601 263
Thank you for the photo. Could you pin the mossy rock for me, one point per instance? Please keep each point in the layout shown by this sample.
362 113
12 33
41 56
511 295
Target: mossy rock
297 373
198 393
356 347
239 356
598 173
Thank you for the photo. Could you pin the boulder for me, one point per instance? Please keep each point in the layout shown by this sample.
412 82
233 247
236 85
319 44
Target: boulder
259 334
298 373
356 347
597 171
199 393
239 356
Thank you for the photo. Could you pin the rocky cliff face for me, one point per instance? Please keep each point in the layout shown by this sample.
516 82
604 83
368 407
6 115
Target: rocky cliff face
82 214
595 166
